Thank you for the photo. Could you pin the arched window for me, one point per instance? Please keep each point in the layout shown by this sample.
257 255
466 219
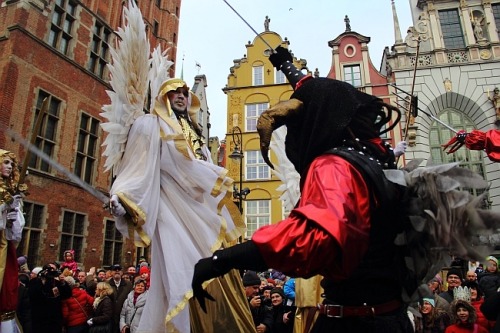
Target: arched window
439 135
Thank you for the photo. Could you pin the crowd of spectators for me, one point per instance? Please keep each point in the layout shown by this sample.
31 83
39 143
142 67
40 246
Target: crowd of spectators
62 298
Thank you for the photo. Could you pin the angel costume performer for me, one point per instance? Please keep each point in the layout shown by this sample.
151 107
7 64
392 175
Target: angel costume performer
11 226
166 192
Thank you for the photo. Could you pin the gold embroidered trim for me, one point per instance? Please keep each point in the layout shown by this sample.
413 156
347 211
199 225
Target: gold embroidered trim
222 183
135 220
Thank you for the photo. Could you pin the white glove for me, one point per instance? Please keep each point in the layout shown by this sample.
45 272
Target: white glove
89 322
116 207
12 215
400 148
16 203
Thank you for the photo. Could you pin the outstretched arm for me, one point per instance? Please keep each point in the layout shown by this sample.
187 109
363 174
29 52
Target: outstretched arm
488 141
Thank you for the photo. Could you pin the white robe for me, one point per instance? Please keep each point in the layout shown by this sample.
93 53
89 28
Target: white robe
181 201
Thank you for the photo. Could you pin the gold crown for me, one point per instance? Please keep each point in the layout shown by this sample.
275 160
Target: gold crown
461 293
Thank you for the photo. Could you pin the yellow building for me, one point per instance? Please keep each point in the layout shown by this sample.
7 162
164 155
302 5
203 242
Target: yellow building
253 86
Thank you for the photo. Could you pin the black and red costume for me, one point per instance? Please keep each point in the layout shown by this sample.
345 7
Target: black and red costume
488 141
347 218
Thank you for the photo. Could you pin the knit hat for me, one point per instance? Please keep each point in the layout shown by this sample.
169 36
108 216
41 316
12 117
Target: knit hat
454 271
495 260
21 260
36 270
251 279
278 291
429 300
143 269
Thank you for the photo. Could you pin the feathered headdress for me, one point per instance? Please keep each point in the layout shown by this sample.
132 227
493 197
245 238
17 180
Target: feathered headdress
131 71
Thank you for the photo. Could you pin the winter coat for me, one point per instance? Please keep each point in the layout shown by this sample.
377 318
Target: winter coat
481 319
46 313
103 313
119 296
278 325
73 308
131 314
489 283
491 310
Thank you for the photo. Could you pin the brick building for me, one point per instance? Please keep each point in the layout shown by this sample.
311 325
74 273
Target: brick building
59 50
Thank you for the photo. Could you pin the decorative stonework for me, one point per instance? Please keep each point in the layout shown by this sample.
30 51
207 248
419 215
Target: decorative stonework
457 57
485 54
424 60
235 101
447 85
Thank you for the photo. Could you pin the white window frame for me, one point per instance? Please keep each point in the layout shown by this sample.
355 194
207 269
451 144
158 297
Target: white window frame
351 79
257 75
258 210
279 77
256 168
252 113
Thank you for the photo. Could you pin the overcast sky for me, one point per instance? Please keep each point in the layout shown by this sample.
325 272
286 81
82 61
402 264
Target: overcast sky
212 35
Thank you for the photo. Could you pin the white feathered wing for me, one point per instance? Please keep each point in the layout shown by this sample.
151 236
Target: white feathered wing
158 74
285 171
129 70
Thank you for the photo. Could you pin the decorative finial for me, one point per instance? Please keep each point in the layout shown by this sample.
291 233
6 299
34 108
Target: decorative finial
266 23
347 23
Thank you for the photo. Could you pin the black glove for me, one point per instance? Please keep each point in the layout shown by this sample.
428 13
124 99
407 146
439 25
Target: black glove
204 270
281 56
456 142
240 256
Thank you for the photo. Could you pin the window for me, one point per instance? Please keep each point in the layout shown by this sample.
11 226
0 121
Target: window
352 75
62 25
86 152
99 49
496 14
256 168
73 225
156 28
31 242
253 112
257 215
46 138
471 159
451 29
279 77
174 38
258 75
113 244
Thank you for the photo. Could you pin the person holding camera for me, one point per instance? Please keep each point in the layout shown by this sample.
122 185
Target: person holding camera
46 293
261 315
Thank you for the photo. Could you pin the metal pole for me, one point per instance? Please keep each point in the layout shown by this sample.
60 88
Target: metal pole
240 196
258 35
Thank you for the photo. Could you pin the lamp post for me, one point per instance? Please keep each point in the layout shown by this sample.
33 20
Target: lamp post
237 156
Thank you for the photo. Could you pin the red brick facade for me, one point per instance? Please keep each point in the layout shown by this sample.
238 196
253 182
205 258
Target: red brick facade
29 64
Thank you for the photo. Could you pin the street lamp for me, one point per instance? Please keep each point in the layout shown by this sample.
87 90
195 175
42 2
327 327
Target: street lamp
237 156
